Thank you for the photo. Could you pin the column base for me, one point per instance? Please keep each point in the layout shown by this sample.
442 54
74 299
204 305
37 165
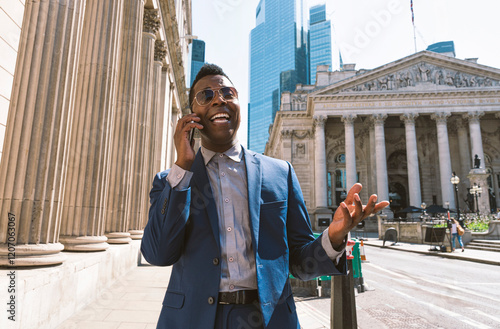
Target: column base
118 237
84 243
32 254
322 218
136 234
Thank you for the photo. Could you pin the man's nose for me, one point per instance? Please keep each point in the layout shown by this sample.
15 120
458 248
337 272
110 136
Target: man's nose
218 98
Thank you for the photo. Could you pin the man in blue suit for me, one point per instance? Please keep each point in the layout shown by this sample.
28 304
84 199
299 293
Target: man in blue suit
233 224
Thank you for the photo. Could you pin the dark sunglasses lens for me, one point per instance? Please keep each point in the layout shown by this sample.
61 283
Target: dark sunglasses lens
205 96
228 93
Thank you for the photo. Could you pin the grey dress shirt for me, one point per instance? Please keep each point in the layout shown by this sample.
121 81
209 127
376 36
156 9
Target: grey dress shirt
227 175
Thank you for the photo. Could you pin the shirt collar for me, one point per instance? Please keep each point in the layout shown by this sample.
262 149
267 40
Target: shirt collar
235 153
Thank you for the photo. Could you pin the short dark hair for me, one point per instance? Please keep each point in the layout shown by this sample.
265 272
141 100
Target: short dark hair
206 69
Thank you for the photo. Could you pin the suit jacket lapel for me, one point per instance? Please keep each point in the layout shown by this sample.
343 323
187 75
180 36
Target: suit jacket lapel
200 178
254 181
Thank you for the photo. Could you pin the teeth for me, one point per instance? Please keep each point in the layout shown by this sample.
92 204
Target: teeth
220 115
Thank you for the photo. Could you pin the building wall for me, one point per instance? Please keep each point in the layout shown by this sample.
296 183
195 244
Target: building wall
11 16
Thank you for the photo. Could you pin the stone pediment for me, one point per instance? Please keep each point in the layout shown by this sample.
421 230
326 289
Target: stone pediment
424 71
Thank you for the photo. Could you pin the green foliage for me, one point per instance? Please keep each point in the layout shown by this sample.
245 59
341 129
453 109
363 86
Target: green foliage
477 223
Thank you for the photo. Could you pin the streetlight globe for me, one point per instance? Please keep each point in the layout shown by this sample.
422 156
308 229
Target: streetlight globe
455 180
423 205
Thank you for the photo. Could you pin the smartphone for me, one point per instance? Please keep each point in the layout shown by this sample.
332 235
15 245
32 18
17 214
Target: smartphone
191 135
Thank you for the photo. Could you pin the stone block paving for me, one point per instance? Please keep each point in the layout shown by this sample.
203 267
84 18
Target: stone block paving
134 302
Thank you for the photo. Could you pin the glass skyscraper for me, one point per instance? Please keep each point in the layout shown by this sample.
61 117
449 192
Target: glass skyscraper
278 61
197 59
320 40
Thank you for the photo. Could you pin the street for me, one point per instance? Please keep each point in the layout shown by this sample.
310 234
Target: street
420 291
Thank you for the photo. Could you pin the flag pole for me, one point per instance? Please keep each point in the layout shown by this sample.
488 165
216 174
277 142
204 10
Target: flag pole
413 23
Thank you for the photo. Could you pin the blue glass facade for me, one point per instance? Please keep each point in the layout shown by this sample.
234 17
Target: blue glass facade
278 61
197 58
320 40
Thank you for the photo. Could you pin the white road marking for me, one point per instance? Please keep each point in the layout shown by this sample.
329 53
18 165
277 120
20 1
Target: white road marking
458 288
452 314
494 318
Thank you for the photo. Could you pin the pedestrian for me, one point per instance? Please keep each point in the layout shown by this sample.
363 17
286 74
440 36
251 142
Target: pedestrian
233 223
455 227
498 214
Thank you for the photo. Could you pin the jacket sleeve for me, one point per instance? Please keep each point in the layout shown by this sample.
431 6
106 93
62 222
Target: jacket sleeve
308 258
168 214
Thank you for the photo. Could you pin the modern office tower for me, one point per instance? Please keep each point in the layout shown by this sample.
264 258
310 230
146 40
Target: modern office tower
278 62
444 47
197 58
320 40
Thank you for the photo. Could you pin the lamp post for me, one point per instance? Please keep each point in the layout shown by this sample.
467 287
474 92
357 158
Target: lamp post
455 180
475 190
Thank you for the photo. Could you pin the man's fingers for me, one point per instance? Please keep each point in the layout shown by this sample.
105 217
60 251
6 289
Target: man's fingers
379 206
350 196
358 207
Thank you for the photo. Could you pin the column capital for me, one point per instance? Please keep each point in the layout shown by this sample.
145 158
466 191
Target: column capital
460 124
348 119
473 116
379 118
286 133
160 50
151 21
409 118
440 117
319 120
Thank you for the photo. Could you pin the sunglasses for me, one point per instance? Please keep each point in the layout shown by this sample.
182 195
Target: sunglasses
206 96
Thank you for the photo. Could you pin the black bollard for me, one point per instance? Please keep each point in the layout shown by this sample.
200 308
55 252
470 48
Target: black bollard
343 303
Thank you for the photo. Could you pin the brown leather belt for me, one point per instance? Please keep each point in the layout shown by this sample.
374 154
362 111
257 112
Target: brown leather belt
239 297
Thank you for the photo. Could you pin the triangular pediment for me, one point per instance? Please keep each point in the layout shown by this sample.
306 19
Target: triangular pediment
423 71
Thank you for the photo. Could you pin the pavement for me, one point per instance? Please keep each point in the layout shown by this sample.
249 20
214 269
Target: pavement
134 301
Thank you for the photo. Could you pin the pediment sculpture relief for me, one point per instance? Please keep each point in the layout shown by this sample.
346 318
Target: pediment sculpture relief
424 73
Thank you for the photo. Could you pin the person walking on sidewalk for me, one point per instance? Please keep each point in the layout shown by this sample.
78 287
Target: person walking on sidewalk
233 223
455 226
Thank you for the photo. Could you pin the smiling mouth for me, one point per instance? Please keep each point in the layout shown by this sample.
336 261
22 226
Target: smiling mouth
220 118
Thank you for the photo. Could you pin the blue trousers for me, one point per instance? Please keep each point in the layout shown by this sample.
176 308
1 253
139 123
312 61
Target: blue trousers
232 316
458 237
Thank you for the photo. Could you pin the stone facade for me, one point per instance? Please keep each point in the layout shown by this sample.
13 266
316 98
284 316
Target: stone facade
401 130
97 89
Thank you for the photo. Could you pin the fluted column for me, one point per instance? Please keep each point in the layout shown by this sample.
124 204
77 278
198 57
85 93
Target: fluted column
475 136
120 194
381 158
350 149
320 162
372 168
465 159
444 158
84 211
412 159
165 87
32 172
141 178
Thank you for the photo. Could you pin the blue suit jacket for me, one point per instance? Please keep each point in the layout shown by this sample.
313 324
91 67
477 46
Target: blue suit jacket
183 231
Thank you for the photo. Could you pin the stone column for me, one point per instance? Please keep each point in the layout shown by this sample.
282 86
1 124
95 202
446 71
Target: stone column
465 159
350 150
32 171
447 192
141 178
119 195
84 211
373 156
322 214
320 162
381 158
412 159
169 147
158 111
165 87
475 136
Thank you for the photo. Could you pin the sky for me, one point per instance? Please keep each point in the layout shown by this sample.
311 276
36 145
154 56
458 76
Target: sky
369 33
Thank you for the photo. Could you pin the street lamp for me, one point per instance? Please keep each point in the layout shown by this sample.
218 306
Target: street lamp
476 190
455 180
423 206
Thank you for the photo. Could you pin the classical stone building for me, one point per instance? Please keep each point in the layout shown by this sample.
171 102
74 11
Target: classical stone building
95 94
401 130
